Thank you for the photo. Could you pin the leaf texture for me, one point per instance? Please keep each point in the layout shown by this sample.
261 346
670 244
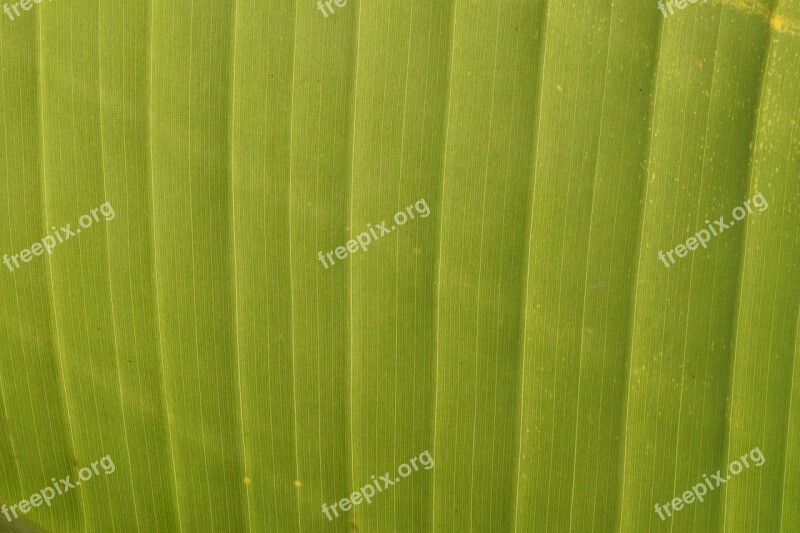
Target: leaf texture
524 331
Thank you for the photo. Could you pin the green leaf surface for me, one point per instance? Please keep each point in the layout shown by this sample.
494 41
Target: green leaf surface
524 332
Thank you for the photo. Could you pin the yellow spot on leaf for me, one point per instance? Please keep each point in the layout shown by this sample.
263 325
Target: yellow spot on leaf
247 481
750 7
297 483
776 21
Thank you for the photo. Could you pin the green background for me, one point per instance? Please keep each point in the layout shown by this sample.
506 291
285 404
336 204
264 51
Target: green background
524 333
